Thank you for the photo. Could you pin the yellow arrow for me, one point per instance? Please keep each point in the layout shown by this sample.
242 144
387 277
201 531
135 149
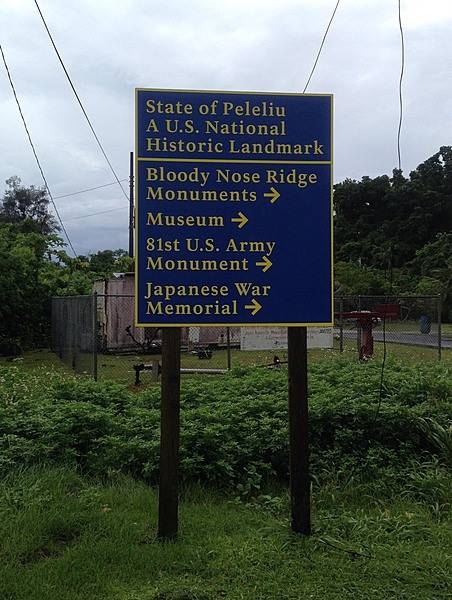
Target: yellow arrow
273 195
254 306
266 263
241 220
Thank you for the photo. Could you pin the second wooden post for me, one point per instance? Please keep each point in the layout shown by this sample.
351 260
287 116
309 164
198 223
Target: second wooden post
300 485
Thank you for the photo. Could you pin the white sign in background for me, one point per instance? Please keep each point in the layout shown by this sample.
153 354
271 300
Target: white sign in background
275 338
194 334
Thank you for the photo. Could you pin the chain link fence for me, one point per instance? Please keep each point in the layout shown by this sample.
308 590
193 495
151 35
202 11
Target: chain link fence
95 335
364 323
74 332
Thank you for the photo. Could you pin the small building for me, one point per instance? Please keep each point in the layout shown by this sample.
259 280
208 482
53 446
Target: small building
116 318
115 314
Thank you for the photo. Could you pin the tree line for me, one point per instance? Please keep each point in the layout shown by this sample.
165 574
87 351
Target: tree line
34 267
393 235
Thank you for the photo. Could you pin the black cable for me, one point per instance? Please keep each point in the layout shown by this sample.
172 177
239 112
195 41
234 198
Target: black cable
102 212
321 46
35 153
88 189
80 102
382 371
380 393
400 88
383 363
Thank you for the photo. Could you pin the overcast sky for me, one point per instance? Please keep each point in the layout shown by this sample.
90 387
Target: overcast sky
111 47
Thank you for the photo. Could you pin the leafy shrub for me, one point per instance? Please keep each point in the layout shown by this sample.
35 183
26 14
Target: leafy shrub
234 428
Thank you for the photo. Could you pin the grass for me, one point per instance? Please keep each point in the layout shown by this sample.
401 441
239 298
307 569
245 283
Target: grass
36 359
397 326
410 355
413 327
120 368
64 537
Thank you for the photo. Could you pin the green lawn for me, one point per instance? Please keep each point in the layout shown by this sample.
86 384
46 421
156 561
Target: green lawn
67 536
409 326
413 326
64 537
120 368
36 359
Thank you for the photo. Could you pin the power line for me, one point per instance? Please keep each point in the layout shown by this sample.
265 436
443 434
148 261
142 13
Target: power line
321 47
89 189
35 153
102 212
400 88
383 363
80 102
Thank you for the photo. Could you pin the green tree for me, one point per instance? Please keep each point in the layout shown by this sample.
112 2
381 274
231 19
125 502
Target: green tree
28 208
352 279
34 266
106 262
24 298
67 276
28 242
384 221
432 266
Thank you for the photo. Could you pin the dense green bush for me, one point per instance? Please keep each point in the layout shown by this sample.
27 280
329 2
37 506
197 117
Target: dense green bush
234 428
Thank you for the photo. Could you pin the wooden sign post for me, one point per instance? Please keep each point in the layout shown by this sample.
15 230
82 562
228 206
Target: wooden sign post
233 228
300 492
169 434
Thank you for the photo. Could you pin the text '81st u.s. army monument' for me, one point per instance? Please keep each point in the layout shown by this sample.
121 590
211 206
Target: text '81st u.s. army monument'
233 208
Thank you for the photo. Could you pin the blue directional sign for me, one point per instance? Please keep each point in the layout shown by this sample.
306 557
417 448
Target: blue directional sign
233 208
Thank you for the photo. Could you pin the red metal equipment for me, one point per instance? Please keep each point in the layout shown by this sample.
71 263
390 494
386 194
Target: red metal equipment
366 320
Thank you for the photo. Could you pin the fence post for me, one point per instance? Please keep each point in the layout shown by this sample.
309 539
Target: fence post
74 341
94 334
155 369
439 307
341 325
359 341
228 342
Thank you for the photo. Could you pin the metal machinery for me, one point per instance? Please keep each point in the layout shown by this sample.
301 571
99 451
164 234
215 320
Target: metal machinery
366 321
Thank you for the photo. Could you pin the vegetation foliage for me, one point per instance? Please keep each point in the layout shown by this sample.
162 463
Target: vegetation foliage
392 235
34 267
380 453
74 525
234 430
64 536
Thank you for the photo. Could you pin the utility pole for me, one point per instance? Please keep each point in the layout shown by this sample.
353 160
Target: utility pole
131 216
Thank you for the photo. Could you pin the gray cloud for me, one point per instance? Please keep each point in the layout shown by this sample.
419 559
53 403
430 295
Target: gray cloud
111 48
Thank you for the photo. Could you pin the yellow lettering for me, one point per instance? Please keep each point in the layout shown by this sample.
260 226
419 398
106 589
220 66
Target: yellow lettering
152 126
